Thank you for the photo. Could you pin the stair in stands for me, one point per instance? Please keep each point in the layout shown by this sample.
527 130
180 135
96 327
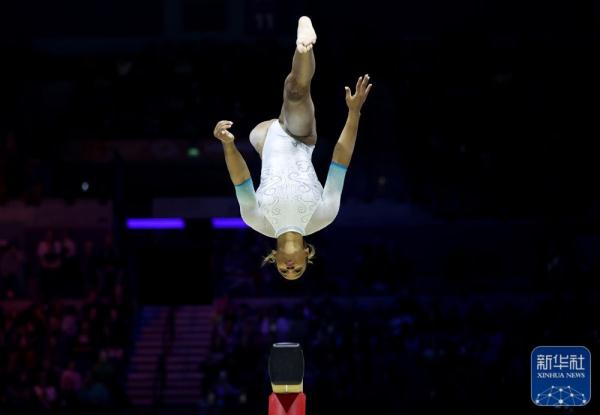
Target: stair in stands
190 347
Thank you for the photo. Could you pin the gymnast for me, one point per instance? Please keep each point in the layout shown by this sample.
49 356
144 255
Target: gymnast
290 202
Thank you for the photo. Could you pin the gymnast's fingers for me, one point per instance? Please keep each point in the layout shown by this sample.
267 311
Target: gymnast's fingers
222 124
358 83
365 82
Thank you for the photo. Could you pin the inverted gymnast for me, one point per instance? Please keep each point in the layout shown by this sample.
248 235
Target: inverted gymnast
290 202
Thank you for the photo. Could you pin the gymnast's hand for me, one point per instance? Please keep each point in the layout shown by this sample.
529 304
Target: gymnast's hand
356 101
221 131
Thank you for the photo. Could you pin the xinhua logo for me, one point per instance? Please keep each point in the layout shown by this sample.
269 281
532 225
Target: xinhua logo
561 375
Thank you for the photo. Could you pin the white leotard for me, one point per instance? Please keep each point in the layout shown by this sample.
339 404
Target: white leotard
290 196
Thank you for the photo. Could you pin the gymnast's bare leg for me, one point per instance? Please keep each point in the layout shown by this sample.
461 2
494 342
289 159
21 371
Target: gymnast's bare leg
298 111
297 115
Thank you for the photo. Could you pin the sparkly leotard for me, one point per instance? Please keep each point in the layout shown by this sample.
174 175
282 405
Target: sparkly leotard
290 196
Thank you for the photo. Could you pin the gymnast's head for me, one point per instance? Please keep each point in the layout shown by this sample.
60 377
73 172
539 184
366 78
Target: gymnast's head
292 255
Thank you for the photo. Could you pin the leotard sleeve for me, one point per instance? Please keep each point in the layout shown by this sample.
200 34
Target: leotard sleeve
250 211
329 205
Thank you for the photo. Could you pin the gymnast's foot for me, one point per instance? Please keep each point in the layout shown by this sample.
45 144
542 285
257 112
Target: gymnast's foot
306 35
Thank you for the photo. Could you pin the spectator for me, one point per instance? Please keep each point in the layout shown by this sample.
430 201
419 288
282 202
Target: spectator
69 323
71 280
95 394
46 394
70 382
49 254
46 352
89 267
12 271
103 370
109 271
283 325
116 331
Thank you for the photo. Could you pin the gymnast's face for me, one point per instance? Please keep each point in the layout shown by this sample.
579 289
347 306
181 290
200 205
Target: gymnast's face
291 260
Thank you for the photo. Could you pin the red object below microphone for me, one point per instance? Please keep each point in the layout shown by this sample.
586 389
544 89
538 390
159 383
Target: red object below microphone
287 404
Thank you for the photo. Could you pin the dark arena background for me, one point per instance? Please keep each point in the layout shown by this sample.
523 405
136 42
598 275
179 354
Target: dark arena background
468 232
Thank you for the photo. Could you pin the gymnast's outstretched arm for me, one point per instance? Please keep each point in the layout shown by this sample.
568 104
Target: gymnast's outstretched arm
236 165
342 153
241 178
329 206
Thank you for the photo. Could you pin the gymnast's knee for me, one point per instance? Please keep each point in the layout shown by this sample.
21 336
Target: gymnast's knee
295 90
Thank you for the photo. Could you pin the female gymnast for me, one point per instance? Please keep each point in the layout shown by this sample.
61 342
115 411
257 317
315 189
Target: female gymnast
290 202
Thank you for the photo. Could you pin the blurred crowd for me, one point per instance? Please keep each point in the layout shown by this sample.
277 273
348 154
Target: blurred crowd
373 267
59 265
65 357
432 259
415 353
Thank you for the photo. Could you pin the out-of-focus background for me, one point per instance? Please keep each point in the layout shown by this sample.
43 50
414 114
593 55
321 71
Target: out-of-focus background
468 232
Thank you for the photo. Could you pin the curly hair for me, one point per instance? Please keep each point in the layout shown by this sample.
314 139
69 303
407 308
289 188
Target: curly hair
270 258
